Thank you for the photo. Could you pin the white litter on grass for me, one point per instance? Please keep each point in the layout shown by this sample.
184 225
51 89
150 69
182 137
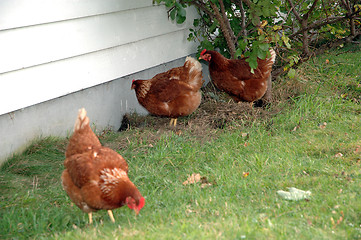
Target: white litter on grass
294 194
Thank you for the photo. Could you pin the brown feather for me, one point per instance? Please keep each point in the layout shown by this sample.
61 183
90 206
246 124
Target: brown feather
95 177
234 76
173 93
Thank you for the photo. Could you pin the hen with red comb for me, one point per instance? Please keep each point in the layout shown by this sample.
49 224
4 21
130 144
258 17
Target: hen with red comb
96 177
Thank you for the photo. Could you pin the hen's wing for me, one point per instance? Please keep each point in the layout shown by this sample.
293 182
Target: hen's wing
167 89
86 167
82 177
240 68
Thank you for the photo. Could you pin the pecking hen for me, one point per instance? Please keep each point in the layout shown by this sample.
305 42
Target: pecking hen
96 177
234 76
174 93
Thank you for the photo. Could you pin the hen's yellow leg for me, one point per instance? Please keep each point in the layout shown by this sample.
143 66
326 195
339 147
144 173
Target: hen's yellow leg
110 213
173 121
90 217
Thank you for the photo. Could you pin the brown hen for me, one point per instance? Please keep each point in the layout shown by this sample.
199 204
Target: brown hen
96 177
234 76
174 93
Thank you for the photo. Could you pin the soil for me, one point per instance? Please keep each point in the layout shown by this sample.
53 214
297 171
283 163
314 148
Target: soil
216 112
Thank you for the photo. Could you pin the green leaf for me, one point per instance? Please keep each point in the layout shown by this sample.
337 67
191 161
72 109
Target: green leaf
239 52
168 3
181 11
213 27
252 60
196 22
180 19
291 73
242 45
262 54
172 14
264 46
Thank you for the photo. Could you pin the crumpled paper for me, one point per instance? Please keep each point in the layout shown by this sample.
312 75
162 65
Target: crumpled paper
294 194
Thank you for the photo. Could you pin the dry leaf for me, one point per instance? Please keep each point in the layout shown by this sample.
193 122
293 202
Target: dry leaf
358 149
327 61
295 128
322 125
245 174
195 178
338 155
244 135
203 185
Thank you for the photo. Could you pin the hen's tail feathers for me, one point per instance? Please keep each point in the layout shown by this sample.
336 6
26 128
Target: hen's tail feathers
267 67
82 120
194 68
273 55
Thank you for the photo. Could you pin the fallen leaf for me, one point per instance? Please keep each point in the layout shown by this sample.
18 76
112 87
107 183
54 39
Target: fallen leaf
196 178
295 128
327 61
244 135
150 145
339 220
358 149
322 125
245 144
203 185
245 174
338 155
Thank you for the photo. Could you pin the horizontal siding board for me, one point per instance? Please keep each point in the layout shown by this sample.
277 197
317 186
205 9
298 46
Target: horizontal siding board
30 46
40 83
21 13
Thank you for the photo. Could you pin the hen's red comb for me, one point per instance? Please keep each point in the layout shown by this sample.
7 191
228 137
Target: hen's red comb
203 52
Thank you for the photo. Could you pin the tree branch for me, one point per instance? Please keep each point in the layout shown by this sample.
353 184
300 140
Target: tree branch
310 10
318 24
299 19
224 29
226 21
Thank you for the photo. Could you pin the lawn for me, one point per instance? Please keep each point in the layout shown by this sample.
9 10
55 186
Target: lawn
308 138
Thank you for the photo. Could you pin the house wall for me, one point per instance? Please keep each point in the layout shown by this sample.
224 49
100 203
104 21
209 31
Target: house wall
58 56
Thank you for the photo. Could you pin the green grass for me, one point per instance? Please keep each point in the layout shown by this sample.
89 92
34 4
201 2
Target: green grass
287 150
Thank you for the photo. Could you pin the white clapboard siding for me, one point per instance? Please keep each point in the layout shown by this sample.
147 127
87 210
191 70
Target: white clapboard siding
49 60
37 84
30 46
20 13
